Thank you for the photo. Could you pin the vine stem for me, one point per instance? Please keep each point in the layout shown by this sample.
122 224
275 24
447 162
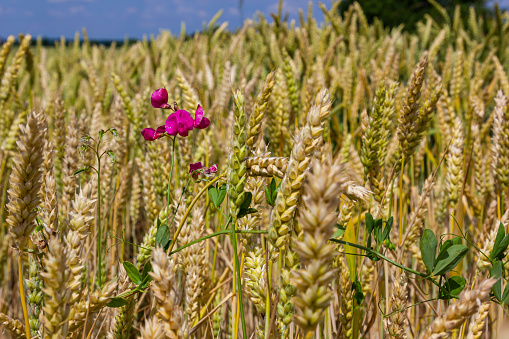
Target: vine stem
99 233
22 295
169 181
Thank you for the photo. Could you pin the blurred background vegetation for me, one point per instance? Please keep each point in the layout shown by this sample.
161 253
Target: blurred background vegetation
408 12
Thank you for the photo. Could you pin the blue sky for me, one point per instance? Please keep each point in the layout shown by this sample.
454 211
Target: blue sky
113 19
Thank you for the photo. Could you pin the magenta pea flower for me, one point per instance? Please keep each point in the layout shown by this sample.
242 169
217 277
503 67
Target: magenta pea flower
179 122
200 121
159 98
150 134
197 168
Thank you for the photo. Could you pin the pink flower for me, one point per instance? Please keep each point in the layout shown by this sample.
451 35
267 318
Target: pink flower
159 98
179 123
210 170
150 134
200 121
197 168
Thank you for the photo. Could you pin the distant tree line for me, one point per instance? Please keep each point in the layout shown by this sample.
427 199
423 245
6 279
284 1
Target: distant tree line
393 13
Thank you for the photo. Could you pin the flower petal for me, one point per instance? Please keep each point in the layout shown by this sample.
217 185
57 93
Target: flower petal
159 98
198 116
161 129
204 123
171 124
194 167
150 134
184 117
182 129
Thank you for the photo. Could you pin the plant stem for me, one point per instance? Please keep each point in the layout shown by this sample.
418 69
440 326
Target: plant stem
99 233
169 182
401 199
233 237
214 235
267 301
22 295
380 256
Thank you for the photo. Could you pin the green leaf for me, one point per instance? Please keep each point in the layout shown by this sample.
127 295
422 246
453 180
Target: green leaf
498 240
449 259
268 196
145 282
275 190
454 285
370 223
132 272
146 269
116 302
428 249
457 241
248 196
501 246
505 295
339 232
39 228
358 295
496 273
162 236
379 231
101 134
387 229
217 195
446 245
245 211
84 169
273 185
112 156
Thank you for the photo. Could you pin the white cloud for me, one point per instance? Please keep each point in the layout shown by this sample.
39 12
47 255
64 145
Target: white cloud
131 10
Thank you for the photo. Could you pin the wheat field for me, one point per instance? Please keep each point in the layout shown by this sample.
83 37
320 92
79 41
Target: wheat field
333 179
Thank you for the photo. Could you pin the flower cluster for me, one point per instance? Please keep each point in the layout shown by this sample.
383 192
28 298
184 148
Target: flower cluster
179 122
197 168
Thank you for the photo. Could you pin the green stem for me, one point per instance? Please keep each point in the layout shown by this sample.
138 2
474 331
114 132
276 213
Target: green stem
267 301
233 237
214 235
99 233
380 256
169 182
408 269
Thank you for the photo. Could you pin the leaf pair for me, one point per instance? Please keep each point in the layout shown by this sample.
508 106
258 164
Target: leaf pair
244 208
217 195
496 272
140 280
380 233
450 255
500 245
271 192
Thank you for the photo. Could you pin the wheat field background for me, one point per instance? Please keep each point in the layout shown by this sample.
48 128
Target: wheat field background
353 181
